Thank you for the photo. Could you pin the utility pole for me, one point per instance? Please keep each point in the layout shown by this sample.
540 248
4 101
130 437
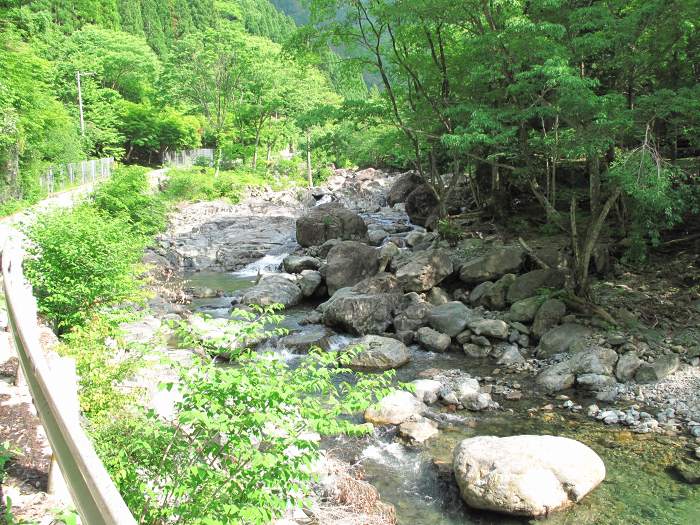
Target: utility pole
80 100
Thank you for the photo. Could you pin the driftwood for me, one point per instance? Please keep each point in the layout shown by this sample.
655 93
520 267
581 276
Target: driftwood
680 240
532 254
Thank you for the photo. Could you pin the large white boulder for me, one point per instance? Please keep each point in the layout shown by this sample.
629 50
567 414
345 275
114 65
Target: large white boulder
525 475
394 409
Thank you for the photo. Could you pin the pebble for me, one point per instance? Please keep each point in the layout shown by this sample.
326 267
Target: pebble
697 452
514 395
609 417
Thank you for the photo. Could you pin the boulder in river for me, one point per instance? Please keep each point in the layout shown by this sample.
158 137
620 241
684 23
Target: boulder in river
432 340
312 336
309 282
413 313
426 390
348 263
527 284
418 429
299 263
525 475
495 296
656 371
379 353
493 265
366 308
525 309
596 360
627 365
278 288
403 187
561 339
489 327
548 316
424 270
329 221
450 318
394 409
422 205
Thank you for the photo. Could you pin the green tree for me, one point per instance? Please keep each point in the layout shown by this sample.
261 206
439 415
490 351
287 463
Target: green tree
80 260
206 71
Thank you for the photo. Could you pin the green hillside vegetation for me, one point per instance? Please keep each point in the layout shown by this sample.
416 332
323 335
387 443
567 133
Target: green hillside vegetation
156 77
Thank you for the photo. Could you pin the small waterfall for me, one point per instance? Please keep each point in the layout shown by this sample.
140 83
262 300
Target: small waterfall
267 264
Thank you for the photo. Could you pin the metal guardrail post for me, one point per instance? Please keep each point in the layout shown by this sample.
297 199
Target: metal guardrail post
92 490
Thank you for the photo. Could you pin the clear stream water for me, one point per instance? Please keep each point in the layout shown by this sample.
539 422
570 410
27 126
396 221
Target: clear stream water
640 487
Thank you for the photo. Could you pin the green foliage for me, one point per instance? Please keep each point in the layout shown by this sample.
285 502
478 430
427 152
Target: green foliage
658 195
203 184
222 338
34 126
79 260
450 232
242 443
127 196
100 367
150 131
259 18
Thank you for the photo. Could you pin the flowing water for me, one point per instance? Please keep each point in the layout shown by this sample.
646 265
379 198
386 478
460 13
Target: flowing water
640 487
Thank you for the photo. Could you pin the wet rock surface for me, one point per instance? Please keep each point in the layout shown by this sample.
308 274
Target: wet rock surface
379 353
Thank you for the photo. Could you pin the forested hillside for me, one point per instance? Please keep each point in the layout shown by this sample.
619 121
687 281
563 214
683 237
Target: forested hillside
154 76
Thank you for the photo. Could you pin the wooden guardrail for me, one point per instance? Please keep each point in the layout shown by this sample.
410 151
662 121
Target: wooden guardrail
93 492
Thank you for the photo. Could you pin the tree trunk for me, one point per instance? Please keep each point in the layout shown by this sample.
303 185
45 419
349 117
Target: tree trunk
309 176
495 179
255 151
583 251
218 161
594 183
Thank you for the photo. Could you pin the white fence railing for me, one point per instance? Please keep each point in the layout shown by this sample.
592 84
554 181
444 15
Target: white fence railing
73 174
187 158
49 380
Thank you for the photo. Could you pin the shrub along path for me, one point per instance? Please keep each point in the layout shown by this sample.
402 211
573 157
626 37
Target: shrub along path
20 428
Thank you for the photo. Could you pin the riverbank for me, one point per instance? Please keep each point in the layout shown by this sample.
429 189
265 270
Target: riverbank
506 367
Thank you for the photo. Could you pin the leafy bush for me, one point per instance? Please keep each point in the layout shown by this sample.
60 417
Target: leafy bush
99 369
189 185
127 195
240 447
658 195
78 260
450 231
201 184
222 338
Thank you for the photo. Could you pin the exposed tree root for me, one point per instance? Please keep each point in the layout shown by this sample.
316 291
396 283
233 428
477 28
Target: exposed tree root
589 308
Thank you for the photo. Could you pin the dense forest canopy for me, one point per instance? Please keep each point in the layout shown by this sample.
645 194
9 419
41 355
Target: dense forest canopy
515 95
